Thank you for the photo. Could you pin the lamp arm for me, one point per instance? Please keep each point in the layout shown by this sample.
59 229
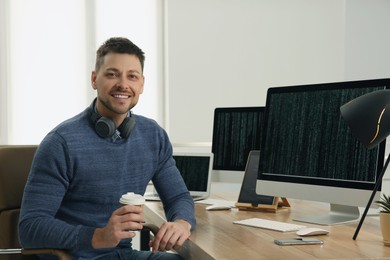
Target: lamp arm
376 187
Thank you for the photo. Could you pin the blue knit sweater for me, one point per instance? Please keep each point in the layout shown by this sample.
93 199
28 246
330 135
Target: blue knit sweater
77 178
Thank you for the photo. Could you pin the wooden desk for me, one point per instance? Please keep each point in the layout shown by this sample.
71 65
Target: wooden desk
216 237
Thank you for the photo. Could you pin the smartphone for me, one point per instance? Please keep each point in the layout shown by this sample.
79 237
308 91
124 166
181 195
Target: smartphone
298 241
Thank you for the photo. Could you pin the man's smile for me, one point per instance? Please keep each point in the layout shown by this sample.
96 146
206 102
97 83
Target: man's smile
122 96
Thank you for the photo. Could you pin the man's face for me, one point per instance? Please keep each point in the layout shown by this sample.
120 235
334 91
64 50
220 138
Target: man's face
119 83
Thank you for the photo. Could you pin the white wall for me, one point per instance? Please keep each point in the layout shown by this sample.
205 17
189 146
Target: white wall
140 21
228 52
367 51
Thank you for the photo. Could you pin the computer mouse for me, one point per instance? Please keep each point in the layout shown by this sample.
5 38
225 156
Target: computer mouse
312 231
218 207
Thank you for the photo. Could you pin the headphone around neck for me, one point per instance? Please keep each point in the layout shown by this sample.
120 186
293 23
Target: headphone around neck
105 127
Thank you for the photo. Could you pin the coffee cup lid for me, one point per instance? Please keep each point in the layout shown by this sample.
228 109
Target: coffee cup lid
130 198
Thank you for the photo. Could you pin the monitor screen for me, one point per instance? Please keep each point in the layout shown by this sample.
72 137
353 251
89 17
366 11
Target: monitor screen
236 132
308 151
195 170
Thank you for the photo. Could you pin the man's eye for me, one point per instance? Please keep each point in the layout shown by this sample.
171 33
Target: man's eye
133 77
111 75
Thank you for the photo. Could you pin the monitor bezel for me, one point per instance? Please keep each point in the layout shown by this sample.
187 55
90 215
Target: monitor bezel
319 181
207 155
219 110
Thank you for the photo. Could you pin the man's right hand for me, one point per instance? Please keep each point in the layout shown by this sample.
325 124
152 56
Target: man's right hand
119 227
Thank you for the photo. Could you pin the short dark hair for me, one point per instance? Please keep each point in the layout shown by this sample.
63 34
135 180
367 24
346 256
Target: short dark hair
118 45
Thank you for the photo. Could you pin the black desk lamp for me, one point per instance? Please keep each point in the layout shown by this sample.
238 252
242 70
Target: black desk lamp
368 117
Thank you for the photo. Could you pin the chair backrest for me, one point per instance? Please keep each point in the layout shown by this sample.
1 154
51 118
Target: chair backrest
15 164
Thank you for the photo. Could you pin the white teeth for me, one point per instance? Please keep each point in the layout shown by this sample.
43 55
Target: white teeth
120 96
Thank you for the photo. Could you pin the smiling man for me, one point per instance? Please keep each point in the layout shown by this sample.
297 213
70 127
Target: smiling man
85 164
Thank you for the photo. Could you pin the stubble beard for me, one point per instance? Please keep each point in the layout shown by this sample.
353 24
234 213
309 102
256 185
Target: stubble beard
114 110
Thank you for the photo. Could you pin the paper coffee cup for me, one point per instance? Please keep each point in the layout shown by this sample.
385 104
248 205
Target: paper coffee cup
130 198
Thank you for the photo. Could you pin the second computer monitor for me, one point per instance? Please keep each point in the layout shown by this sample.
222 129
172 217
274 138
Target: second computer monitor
236 132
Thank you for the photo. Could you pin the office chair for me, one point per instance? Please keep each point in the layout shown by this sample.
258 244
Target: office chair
15 163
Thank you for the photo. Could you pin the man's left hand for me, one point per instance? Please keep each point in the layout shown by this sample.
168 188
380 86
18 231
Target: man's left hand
171 235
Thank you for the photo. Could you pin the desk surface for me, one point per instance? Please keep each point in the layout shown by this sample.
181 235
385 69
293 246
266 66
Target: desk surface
216 237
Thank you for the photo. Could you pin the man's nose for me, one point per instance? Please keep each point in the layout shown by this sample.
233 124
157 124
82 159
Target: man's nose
122 82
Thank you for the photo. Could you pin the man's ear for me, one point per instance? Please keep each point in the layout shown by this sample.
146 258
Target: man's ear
93 79
143 84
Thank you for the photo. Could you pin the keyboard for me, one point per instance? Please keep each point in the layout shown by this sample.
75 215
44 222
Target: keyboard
269 224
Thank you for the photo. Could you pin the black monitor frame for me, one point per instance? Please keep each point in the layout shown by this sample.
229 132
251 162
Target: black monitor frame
383 83
229 153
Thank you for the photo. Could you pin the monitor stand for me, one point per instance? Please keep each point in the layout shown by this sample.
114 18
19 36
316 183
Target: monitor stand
279 204
338 214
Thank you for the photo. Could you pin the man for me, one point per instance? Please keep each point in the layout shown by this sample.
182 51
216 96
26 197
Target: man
84 165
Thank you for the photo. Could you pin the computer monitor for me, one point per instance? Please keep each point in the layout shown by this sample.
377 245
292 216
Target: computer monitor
236 132
309 153
196 170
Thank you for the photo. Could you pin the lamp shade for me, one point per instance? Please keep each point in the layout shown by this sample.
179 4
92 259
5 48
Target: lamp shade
368 117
